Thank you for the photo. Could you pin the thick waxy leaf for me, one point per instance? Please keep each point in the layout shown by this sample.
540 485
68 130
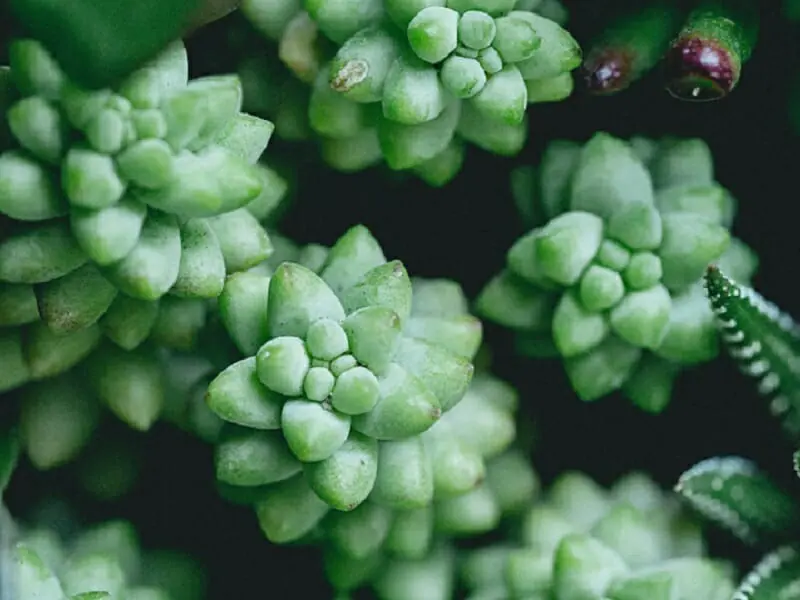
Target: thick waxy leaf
732 492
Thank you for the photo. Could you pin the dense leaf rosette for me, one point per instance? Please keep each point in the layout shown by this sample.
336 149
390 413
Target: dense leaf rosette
408 83
609 275
354 419
122 211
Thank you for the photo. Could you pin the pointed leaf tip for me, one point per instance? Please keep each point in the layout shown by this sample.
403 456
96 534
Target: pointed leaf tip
735 494
763 340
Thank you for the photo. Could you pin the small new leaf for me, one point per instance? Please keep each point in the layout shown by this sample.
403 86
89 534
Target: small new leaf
764 342
735 494
776 576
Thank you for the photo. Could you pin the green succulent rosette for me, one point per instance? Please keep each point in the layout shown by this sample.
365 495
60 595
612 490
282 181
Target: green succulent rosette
121 211
356 400
102 561
384 500
408 83
609 276
581 541
187 375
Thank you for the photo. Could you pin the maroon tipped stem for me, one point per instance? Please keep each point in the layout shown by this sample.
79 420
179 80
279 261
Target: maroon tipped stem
607 71
700 70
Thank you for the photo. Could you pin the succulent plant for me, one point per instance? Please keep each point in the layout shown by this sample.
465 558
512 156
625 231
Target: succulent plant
763 340
581 541
609 275
99 44
342 404
103 561
350 367
407 83
124 209
733 492
57 559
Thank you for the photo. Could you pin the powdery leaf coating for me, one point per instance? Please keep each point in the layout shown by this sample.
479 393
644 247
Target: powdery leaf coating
608 274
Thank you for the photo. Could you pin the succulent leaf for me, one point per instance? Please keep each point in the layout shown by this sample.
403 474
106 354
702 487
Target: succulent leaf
735 494
777 575
763 340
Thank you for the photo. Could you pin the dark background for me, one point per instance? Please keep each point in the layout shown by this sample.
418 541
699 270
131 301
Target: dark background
460 234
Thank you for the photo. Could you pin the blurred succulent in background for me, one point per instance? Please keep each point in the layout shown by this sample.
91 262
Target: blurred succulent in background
578 541
52 557
408 83
791 9
102 561
609 275
630 45
99 44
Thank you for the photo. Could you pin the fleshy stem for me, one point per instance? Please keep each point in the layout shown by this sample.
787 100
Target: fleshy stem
764 341
630 47
705 60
